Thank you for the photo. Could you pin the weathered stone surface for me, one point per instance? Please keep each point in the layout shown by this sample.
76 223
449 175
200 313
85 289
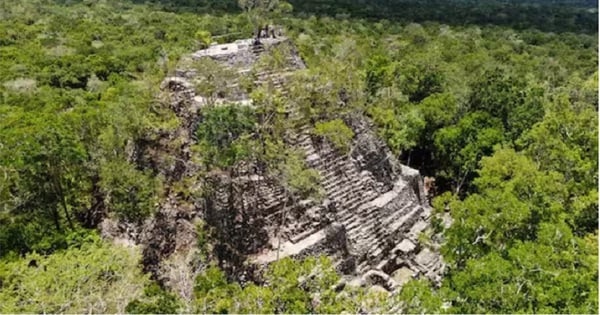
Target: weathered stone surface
406 246
426 258
378 289
379 278
403 275
371 154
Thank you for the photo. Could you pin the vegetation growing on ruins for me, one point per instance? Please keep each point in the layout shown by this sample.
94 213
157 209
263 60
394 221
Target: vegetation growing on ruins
498 101
298 287
337 132
223 135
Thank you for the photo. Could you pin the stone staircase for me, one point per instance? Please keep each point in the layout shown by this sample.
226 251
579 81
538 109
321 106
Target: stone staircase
373 222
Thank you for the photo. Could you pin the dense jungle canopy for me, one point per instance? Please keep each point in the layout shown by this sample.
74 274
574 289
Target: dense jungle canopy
498 100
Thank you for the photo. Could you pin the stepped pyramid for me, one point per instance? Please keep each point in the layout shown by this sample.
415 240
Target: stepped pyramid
373 211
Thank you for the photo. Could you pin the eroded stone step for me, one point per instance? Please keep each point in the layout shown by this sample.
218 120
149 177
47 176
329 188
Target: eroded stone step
407 219
362 267
351 225
389 218
290 249
297 238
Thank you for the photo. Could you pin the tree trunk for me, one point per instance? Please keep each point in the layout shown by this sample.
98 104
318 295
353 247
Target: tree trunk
56 218
58 190
63 200
94 214
257 35
460 183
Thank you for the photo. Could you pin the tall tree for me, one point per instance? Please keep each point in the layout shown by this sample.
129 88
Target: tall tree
511 250
95 278
259 12
461 146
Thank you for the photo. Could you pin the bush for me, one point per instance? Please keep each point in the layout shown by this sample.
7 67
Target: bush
132 194
337 132
224 134
155 301
96 278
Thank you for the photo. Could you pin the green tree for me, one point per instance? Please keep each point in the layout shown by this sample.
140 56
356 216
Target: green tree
95 277
509 98
398 122
155 301
46 177
130 193
420 81
214 294
290 287
297 177
259 11
379 73
337 132
204 38
418 297
214 81
555 274
50 170
439 110
566 141
225 133
513 198
461 146
510 248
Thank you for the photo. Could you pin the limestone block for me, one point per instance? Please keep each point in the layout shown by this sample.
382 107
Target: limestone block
405 247
403 275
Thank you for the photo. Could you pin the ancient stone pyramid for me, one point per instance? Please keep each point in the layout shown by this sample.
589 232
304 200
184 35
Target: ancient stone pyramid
373 211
